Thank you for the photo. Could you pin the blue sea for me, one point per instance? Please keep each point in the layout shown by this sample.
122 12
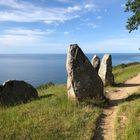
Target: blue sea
38 69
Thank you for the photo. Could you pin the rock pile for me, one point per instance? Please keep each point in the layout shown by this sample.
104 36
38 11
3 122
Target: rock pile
13 92
83 81
105 70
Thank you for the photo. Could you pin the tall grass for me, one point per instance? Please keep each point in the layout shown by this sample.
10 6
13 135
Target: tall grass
128 119
127 125
124 72
53 117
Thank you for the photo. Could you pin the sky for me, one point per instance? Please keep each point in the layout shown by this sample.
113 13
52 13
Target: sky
50 26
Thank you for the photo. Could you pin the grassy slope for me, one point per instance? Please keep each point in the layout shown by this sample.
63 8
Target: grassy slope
124 72
52 117
128 116
128 119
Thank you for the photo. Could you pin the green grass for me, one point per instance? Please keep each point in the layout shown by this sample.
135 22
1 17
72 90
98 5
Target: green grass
128 119
53 117
127 125
124 72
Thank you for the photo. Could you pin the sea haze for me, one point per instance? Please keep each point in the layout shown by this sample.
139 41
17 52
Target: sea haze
38 69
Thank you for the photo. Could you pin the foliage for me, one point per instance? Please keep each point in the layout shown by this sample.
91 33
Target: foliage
134 21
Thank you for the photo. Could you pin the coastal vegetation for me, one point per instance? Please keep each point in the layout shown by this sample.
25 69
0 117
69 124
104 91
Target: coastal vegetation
127 126
53 116
50 117
128 118
124 72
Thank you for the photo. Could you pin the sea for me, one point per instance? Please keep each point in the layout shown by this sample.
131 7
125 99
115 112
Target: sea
38 69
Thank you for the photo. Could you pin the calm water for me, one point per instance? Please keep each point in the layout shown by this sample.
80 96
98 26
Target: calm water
42 68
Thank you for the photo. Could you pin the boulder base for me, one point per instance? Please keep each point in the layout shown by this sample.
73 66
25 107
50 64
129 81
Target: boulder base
13 92
83 81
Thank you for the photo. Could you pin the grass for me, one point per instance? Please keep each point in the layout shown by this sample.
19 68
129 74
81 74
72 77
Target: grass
124 72
127 125
128 119
53 117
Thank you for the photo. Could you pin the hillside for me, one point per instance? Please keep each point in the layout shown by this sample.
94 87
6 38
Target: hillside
53 116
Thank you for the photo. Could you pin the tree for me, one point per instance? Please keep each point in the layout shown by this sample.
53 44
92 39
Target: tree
133 21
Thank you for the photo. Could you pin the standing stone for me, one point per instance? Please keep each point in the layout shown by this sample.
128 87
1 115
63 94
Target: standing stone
83 82
105 70
13 92
95 62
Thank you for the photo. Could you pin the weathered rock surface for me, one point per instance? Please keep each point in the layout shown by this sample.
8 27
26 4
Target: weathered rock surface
95 62
105 70
13 92
83 81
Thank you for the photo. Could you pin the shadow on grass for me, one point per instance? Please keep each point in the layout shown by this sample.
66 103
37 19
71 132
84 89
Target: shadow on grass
132 97
22 102
46 96
125 85
98 134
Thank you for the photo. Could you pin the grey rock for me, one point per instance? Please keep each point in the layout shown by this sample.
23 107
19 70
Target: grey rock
95 62
105 70
13 92
83 81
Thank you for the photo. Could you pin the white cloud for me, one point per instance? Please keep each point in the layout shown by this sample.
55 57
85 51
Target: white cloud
21 37
122 44
90 6
48 22
73 9
15 4
21 11
66 33
27 12
93 25
35 15
20 31
17 40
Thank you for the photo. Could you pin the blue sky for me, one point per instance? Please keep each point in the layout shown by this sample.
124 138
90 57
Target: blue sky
49 26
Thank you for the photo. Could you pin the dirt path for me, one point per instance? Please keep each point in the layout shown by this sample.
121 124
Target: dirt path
105 124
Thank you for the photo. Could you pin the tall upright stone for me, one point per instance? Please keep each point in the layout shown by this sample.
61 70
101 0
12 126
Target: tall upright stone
105 70
83 81
95 62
